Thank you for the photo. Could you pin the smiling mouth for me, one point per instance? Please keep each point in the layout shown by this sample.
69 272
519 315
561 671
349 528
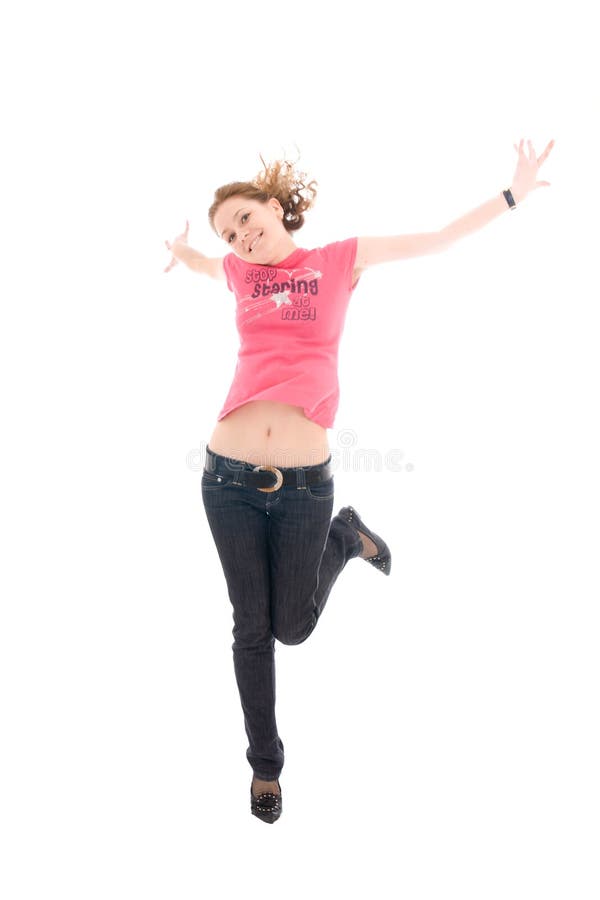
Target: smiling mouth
253 244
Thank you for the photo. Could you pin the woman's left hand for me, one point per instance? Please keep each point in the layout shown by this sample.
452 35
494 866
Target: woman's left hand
524 179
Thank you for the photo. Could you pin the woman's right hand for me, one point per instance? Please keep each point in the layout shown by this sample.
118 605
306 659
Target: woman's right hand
182 239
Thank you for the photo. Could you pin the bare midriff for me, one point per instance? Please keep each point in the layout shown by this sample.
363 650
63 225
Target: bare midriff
266 433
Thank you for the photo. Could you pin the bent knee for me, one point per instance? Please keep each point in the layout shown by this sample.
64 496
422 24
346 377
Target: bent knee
292 636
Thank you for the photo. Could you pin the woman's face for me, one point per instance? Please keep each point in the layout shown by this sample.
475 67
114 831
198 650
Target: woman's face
252 230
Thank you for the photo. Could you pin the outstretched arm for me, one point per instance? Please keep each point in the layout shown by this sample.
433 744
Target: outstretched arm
193 259
373 250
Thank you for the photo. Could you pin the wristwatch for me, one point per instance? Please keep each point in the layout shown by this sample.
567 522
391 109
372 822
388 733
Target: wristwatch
509 198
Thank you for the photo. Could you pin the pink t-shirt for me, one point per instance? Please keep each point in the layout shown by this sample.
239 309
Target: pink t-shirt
290 318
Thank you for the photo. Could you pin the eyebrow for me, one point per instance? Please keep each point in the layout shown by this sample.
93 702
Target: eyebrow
237 214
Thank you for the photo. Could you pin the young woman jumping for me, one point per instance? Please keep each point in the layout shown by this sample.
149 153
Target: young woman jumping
267 484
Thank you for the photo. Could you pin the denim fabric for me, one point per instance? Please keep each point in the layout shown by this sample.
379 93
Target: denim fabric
281 553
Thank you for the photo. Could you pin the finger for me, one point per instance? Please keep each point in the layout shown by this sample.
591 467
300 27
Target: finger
546 152
531 151
168 245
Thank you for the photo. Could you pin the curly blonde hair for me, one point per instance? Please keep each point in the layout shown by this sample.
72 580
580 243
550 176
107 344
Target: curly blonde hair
280 180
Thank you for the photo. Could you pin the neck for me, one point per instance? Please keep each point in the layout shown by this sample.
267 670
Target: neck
283 250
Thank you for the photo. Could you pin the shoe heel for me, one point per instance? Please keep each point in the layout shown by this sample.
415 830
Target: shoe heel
383 559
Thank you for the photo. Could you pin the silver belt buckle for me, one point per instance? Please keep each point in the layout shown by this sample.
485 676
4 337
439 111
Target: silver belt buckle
277 484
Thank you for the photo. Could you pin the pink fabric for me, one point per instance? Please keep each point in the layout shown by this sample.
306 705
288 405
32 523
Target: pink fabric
290 318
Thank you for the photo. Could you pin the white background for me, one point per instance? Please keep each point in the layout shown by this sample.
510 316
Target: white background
440 725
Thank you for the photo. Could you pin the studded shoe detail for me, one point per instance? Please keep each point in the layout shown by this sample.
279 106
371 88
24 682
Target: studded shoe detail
383 559
266 806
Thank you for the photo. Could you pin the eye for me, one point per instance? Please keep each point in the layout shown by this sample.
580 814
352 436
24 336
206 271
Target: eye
243 218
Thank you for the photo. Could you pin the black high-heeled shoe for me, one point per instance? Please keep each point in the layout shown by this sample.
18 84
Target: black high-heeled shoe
383 559
266 806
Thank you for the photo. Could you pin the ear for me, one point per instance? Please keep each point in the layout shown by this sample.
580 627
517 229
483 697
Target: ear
276 205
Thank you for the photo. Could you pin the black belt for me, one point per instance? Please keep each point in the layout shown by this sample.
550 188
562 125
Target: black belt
266 478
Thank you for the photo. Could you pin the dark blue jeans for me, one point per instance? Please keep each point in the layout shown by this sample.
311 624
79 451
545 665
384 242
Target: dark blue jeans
281 553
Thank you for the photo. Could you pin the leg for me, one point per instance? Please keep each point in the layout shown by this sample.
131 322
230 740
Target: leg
308 550
239 528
